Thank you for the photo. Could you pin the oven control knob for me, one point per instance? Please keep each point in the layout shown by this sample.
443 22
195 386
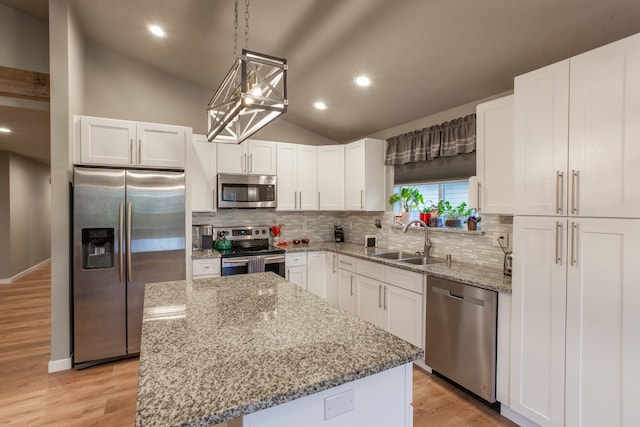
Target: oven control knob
264 231
257 231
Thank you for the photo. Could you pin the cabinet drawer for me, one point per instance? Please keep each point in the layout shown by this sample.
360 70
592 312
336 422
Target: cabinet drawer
346 263
296 259
405 279
370 269
206 267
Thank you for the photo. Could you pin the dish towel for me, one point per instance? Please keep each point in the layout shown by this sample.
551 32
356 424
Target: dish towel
256 265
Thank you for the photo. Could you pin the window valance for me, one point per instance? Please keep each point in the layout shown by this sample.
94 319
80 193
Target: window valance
446 139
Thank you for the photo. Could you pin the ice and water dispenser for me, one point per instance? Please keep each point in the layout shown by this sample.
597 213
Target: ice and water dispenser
97 248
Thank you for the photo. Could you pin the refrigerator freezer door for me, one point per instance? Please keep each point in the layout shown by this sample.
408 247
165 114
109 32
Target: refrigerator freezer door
99 291
155 204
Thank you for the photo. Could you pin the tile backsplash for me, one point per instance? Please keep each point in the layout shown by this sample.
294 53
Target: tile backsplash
318 227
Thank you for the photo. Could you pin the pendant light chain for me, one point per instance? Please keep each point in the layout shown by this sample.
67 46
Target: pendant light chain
246 24
235 30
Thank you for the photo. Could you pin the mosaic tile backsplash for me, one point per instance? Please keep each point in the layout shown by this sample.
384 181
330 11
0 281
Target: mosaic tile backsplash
318 227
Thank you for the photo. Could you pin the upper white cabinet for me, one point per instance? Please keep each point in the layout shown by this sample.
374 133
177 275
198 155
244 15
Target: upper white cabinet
297 177
604 131
201 168
541 115
365 175
252 157
331 177
578 135
124 143
494 156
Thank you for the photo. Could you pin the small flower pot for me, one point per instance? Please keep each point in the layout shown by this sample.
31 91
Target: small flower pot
453 223
424 217
404 218
472 226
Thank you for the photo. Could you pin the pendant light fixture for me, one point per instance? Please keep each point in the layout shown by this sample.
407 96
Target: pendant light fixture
252 95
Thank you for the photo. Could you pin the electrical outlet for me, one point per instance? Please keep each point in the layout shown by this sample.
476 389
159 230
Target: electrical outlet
497 235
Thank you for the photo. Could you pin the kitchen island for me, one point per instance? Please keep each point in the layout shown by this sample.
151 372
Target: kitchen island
259 348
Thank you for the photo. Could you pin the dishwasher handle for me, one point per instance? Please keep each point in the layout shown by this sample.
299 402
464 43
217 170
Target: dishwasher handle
459 297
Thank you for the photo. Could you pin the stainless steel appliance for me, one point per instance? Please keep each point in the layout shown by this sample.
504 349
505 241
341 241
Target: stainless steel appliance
128 230
246 191
461 335
250 251
338 233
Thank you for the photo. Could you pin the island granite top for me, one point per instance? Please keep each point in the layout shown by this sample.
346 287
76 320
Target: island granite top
218 348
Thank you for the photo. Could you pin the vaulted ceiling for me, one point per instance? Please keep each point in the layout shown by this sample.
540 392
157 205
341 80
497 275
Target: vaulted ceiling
423 56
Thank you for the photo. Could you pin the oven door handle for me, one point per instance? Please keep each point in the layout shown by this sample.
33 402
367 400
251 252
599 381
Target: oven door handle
274 259
235 262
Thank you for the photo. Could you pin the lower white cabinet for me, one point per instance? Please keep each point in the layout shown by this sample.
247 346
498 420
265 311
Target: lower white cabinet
296 268
316 282
575 338
347 283
331 277
209 267
370 295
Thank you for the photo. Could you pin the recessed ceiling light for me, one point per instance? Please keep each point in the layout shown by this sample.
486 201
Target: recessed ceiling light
363 81
320 105
5 130
157 31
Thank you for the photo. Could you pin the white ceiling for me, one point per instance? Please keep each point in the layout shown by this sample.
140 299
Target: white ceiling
424 56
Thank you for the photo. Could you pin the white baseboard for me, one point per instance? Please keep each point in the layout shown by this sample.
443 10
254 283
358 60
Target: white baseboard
508 413
59 365
420 364
19 275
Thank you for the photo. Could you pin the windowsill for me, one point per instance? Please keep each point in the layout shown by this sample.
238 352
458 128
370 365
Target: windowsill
442 229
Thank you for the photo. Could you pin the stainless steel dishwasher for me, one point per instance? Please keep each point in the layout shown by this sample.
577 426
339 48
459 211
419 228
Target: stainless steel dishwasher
461 335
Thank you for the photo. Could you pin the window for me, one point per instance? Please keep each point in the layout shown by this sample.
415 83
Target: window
456 192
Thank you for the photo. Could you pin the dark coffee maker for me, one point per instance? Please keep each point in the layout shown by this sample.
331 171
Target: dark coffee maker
338 233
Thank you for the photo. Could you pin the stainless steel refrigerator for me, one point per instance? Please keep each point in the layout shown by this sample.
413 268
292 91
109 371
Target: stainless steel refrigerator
128 230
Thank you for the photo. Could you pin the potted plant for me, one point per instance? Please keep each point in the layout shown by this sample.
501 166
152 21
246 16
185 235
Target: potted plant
472 222
409 198
427 209
453 214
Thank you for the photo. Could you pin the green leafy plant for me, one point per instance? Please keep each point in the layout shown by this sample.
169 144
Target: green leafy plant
408 197
445 208
428 206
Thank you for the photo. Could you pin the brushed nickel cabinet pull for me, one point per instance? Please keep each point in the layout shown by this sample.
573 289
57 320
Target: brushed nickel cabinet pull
558 257
384 293
351 284
574 243
379 296
478 207
140 151
361 199
574 191
559 179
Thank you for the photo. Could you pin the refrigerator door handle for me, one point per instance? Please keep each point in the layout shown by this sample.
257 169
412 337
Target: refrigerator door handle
121 241
129 275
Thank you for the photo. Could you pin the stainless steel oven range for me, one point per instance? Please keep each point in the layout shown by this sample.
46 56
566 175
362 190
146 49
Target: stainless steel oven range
250 251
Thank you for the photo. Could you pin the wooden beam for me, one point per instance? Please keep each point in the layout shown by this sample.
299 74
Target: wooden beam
24 84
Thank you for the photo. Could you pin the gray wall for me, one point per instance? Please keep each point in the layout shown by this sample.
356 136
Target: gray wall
5 215
25 41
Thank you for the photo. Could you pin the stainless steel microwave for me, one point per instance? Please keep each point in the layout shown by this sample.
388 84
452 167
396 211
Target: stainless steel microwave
246 191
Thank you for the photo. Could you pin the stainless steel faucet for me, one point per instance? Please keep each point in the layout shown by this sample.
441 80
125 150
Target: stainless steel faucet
427 242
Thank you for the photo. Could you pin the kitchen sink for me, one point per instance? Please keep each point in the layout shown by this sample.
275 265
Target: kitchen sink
395 255
421 261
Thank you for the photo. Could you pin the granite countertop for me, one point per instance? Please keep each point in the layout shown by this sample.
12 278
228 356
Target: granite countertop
469 274
215 349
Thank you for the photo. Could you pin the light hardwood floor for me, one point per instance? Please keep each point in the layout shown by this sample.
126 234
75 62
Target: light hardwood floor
106 395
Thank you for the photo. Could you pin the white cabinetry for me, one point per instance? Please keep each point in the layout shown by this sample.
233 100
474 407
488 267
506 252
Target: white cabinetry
331 276
365 175
575 295
582 270
331 177
494 156
316 273
397 308
124 143
201 168
252 157
296 268
206 267
297 177
347 283
599 131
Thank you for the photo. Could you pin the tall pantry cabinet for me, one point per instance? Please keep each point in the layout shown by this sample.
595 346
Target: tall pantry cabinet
576 278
